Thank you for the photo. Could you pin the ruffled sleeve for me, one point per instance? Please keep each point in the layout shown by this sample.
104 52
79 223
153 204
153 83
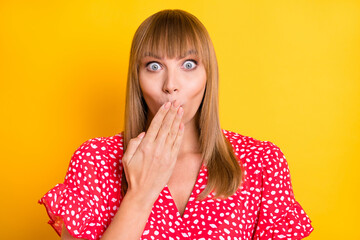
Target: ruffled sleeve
80 202
280 215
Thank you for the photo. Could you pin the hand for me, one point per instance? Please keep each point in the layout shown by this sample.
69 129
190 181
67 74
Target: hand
149 161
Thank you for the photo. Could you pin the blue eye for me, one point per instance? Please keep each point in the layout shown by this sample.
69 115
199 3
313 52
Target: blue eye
153 66
190 64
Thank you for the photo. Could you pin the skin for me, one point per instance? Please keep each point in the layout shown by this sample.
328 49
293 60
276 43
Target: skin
175 79
183 80
168 153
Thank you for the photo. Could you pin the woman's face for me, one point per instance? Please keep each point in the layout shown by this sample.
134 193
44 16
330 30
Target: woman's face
182 79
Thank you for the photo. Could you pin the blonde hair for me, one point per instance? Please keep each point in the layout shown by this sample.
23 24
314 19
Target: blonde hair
173 33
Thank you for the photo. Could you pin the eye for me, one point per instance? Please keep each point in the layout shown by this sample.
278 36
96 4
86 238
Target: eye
154 66
190 64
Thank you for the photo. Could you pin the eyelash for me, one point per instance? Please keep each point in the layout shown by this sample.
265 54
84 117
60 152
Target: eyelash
193 60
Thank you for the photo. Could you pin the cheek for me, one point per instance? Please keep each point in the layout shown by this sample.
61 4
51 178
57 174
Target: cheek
147 87
196 88
150 91
143 84
195 92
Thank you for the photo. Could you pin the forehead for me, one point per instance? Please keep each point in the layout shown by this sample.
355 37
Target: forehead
180 56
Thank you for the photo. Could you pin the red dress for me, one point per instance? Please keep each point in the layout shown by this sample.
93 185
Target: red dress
264 207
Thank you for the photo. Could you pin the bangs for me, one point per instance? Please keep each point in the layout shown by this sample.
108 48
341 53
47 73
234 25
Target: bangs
171 35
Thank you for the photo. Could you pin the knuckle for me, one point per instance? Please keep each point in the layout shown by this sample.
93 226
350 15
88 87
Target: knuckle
164 163
157 158
172 134
133 140
177 143
166 124
155 122
125 160
145 147
154 125
162 112
157 154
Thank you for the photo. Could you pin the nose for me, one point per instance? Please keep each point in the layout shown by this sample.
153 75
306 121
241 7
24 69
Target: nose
170 81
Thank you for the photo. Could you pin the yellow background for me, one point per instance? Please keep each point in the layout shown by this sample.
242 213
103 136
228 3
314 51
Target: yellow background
289 73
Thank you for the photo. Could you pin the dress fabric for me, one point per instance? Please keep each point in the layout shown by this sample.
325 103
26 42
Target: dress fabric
263 208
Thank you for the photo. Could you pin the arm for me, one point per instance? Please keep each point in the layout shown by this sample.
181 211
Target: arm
131 217
148 164
129 221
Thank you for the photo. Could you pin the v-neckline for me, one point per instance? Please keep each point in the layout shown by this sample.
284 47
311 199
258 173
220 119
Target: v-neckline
192 195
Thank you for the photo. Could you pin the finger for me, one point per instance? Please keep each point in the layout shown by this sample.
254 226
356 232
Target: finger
132 146
167 124
174 128
156 122
178 141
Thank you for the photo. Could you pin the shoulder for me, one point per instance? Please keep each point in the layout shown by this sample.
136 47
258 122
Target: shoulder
101 148
254 154
96 155
97 144
245 145
268 179
237 139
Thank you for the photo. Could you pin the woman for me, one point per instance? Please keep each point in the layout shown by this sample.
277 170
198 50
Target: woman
182 177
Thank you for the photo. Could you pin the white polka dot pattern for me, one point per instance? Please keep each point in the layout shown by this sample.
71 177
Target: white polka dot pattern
264 207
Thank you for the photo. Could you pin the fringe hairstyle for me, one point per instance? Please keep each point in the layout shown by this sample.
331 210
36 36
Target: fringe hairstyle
172 32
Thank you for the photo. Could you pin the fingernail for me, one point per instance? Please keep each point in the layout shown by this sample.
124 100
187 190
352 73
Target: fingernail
180 111
141 135
167 105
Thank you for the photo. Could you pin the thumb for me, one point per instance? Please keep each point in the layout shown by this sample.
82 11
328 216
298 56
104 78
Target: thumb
132 147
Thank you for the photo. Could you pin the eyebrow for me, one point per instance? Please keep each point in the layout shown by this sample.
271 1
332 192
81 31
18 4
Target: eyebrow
150 54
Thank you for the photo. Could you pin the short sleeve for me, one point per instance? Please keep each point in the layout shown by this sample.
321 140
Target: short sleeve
80 202
280 215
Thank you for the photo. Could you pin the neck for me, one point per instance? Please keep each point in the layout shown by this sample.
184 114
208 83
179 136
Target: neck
190 142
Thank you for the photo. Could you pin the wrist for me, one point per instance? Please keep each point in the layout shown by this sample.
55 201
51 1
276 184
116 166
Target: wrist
141 200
